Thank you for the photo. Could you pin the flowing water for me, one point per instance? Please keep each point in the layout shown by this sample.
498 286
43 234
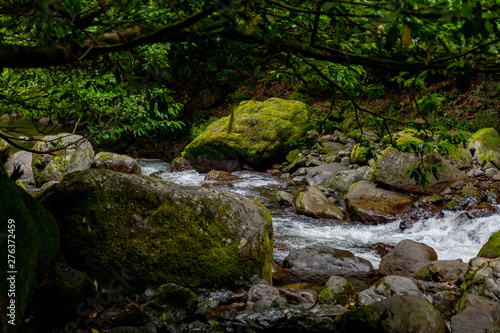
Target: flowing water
452 237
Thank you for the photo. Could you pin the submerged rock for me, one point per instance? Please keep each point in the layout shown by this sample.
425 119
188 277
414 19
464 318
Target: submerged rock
158 231
76 155
372 205
406 258
117 162
316 264
258 135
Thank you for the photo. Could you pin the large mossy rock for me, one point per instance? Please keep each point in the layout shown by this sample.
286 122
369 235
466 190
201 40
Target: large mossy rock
391 167
258 136
372 205
160 232
76 156
36 238
485 144
405 313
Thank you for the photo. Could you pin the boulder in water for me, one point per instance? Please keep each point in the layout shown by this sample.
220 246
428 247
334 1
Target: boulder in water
117 162
314 203
317 263
158 231
257 136
491 249
322 174
372 205
406 258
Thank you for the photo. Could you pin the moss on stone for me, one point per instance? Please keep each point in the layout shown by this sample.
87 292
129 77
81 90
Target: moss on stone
491 249
292 155
37 243
486 137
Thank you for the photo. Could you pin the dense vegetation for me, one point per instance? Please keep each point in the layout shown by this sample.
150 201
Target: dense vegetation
154 67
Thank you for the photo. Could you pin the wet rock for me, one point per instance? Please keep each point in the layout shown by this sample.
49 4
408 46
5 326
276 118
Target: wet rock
180 164
314 203
302 298
493 196
390 171
407 258
117 162
343 180
337 291
220 175
316 264
259 135
396 314
321 175
491 249
372 205
470 196
482 210
421 213
386 287
285 199
442 271
77 156
477 314
261 292
191 236
382 248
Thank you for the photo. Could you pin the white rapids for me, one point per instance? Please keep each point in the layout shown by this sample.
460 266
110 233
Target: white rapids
452 237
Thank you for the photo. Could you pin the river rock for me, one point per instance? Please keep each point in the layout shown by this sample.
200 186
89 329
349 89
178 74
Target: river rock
301 298
179 164
485 144
491 249
372 205
342 181
470 196
482 279
76 156
260 292
158 231
484 209
285 199
220 175
391 167
322 174
442 271
259 135
21 157
314 203
406 258
5 148
478 314
386 287
396 314
337 291
117 162
317 263
460 157
36 237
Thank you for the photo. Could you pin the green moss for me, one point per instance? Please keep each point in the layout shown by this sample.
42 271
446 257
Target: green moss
488 137
491 249
452 203
292 155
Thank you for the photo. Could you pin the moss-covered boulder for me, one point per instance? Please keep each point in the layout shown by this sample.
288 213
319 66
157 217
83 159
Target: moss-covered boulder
160 232
460 157
117 162
485 144
391 167
5 148
337 291
491 249
70 152
371 205
34 232
258 135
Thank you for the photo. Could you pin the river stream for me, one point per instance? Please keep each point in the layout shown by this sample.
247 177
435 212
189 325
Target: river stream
452 237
